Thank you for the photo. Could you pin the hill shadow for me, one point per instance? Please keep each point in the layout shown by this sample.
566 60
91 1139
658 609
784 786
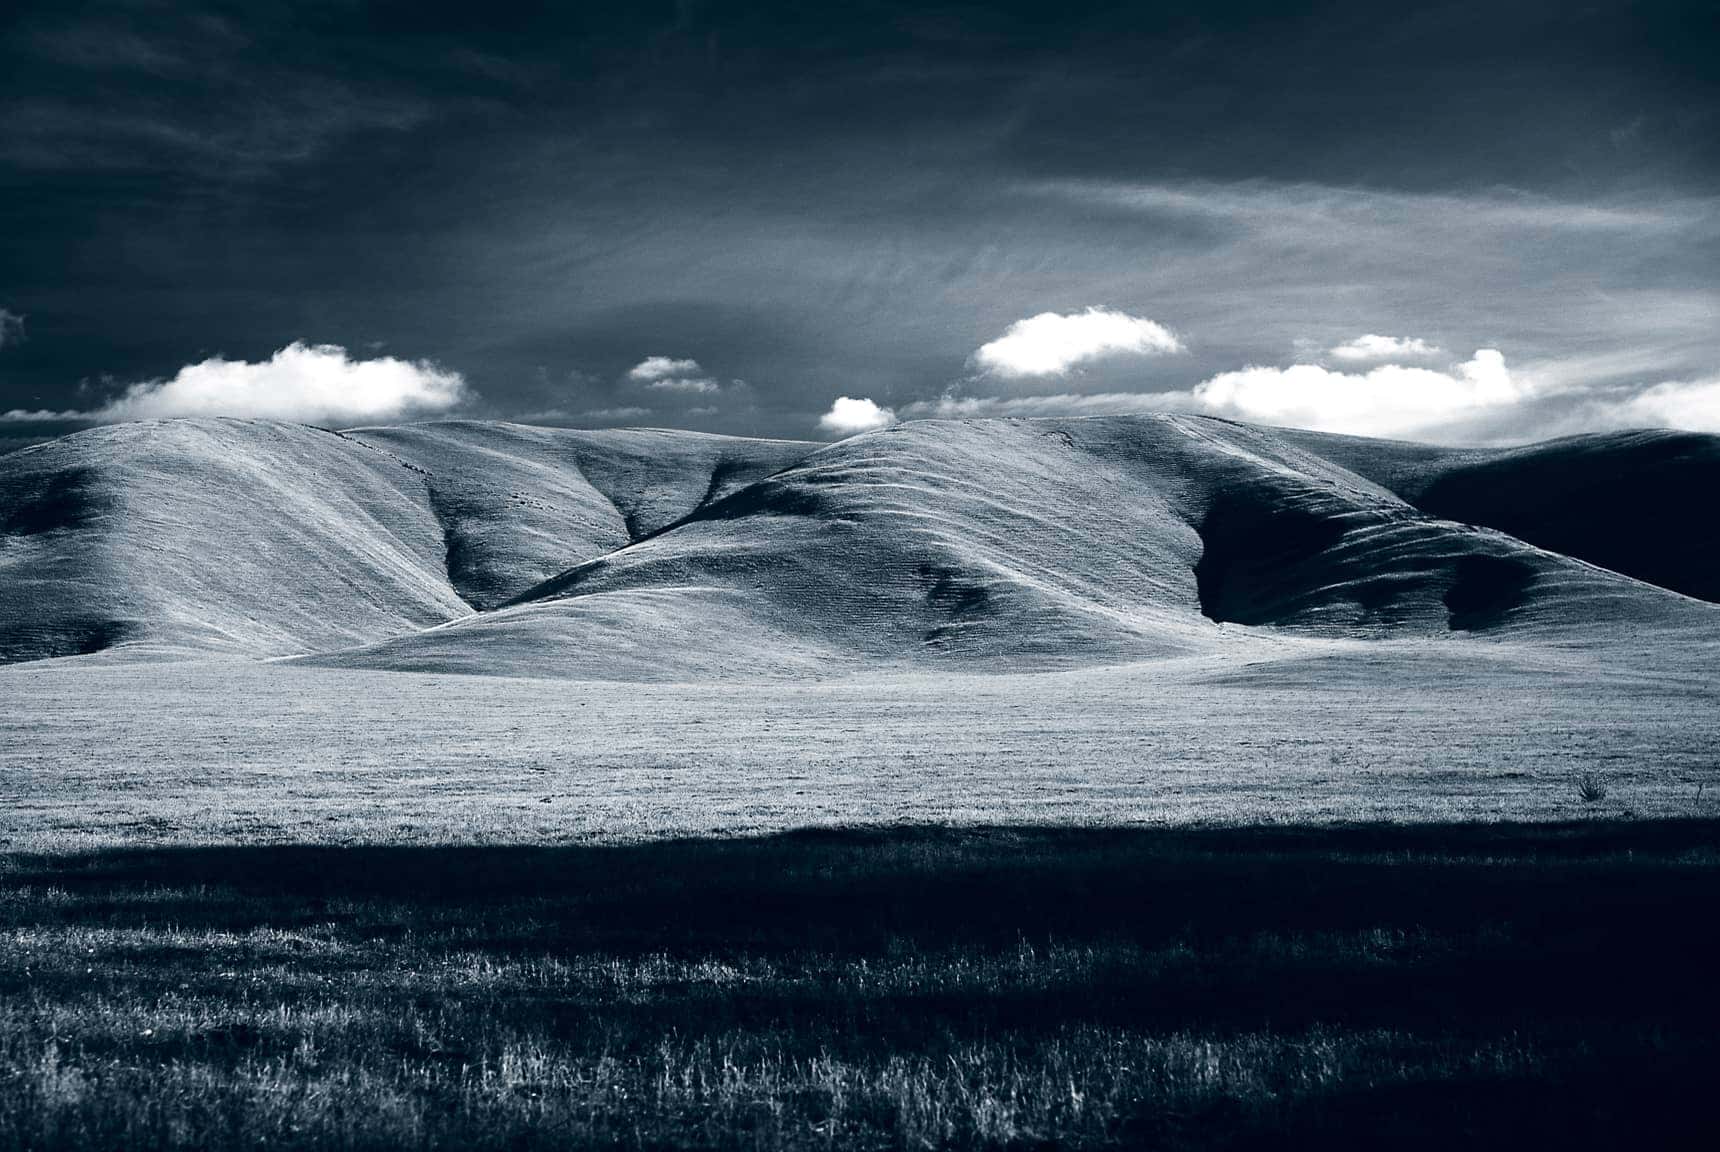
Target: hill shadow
1632 502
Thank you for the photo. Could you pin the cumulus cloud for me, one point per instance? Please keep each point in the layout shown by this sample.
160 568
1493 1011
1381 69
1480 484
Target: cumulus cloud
307 382
1372 347
667 374
662 367
1386 400
1389 400
11 328
1692 406
848 416
1480 400
1050 344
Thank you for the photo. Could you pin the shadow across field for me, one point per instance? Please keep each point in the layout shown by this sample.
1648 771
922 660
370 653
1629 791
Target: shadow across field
978 987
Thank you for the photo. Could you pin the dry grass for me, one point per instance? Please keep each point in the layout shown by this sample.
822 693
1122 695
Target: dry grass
912 989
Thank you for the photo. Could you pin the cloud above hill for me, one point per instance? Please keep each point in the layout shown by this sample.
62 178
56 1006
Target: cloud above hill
313 383
1388 400
1693 406
667 374
659 367
849 416
1051 344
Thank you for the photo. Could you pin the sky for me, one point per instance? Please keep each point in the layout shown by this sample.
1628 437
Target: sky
1464 223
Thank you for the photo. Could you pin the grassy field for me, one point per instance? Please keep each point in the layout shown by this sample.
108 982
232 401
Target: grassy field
96 757
1408 986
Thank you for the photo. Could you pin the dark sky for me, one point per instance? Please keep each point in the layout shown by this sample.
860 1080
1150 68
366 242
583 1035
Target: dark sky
850 200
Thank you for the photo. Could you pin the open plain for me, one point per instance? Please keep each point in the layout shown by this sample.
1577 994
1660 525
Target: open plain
200 753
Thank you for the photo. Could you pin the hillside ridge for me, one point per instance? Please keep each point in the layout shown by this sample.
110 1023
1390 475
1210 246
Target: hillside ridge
651 553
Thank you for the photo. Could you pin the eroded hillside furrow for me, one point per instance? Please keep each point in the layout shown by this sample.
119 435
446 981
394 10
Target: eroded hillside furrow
522 504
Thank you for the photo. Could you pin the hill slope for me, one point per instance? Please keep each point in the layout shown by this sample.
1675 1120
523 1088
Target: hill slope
212 535
259 538
985 544
1035 544
518 504
1634 502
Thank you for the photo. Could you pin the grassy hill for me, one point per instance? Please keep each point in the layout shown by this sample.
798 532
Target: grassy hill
989 544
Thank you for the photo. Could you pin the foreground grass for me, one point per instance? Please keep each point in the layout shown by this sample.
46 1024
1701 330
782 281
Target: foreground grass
1360 987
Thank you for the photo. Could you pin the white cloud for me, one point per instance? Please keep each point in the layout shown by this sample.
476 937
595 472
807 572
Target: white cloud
1372 347
667 374
1050 344
1389 400
38 416
662 367
848 416
11 328
1477 401
308 382
1691 406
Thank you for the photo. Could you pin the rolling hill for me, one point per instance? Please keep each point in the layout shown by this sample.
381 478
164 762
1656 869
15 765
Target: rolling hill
1633 501
986 544
212 536
259 538
518 504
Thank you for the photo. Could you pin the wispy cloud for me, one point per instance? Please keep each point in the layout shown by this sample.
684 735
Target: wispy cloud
1266 204
614 415
1059 404
40 416
697 385
257 112
1372 347
1693 406
11 328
